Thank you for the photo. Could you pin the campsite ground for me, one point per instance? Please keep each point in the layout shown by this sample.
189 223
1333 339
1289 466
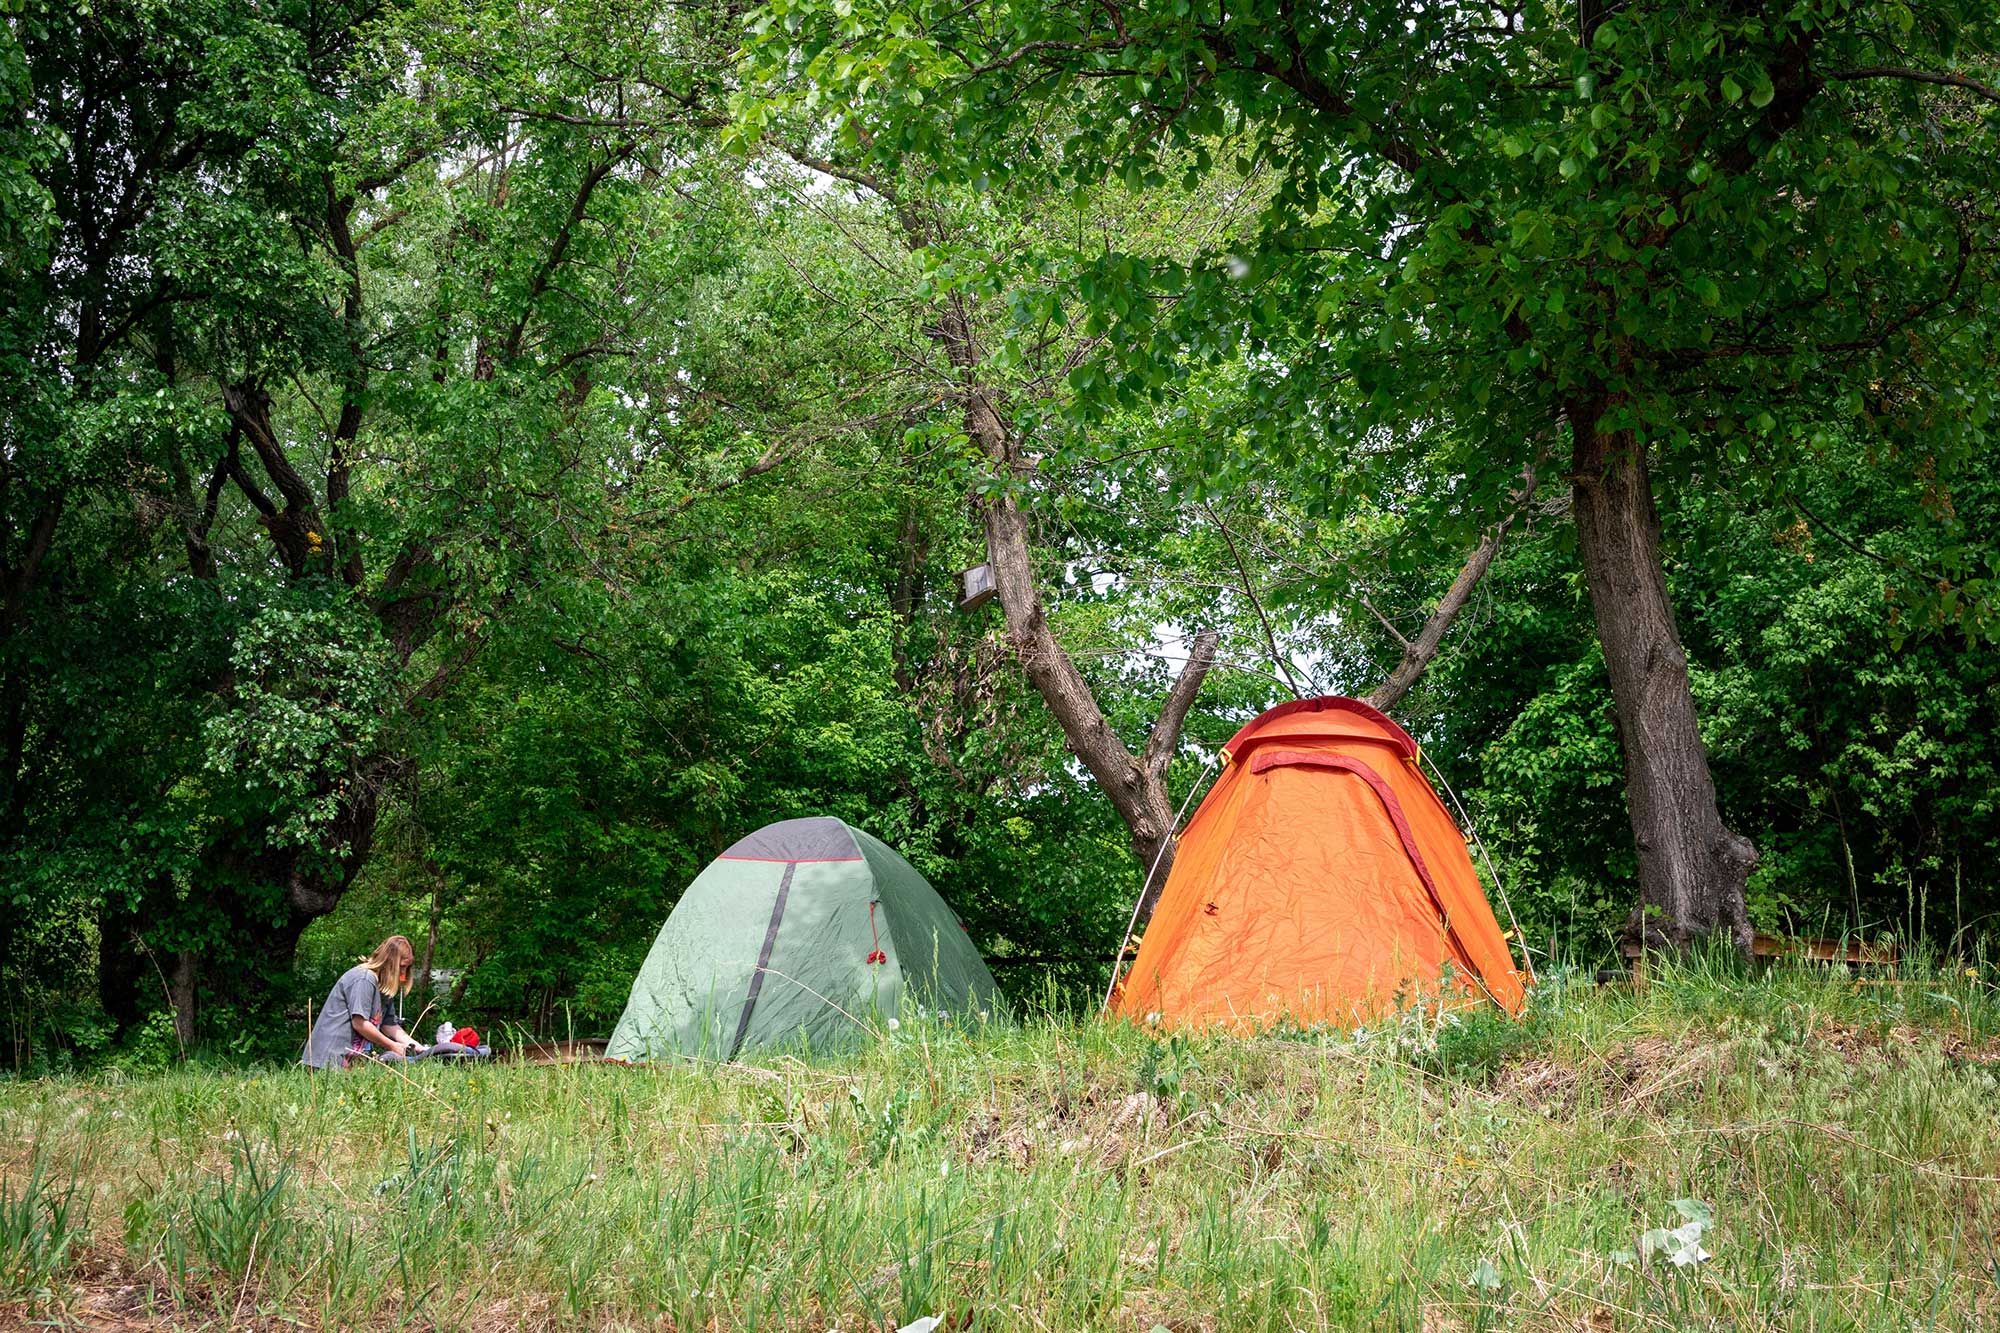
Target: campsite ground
1833 1148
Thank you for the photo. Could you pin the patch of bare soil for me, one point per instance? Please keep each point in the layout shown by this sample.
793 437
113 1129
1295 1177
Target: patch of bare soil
1652 1073
104 1295
1098 1124
1852 1041
1647 1074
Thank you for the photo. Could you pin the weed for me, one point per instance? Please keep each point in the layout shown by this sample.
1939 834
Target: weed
1167 1069
1472 1045
239 1225
43 1221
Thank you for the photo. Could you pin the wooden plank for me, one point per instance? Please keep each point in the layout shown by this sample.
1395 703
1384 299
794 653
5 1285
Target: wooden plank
1811 949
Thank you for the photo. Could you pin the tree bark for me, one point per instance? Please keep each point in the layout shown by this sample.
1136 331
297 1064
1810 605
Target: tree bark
1692 867
1136 784
182 990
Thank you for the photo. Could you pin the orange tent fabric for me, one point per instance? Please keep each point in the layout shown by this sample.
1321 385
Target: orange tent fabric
1321 880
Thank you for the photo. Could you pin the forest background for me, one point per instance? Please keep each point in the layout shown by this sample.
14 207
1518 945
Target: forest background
463 464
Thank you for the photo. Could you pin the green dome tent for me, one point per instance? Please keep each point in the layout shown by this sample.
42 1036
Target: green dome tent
801 932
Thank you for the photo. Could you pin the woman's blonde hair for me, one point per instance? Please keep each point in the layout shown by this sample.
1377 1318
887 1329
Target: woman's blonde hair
388 961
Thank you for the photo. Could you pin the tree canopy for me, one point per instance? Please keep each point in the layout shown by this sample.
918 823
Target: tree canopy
463 466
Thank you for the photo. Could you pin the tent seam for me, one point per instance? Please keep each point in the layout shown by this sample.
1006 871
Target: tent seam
1271 759
763 960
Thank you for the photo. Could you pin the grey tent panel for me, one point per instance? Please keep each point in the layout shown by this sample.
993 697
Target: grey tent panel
797 840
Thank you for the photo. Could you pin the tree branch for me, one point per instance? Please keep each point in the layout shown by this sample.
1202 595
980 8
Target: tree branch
1270 639
564 234
20 581
354 383
1166 733
1919 76
232 464
1419 654
250 408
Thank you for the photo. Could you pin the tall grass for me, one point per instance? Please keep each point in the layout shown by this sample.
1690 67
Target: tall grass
1429 1174
42 1222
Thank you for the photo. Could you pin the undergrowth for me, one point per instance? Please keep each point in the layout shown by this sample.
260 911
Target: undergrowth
1784 1150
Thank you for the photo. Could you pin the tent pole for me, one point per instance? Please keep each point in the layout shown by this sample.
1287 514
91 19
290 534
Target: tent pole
1486 856
1167 842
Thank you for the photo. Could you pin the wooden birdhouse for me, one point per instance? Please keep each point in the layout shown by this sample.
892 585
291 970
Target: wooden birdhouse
975 587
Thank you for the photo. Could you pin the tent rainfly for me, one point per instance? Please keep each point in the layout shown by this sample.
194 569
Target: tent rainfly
803 933
1321 880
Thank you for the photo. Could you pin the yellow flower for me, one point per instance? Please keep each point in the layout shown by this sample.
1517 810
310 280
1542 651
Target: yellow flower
1972 972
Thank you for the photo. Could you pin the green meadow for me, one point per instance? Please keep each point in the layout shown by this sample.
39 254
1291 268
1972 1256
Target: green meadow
1787 1150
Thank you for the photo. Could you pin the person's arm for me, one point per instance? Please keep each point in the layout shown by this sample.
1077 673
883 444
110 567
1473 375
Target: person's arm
367 1031
395 1031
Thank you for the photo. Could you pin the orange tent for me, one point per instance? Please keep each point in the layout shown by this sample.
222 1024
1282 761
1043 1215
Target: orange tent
1320 881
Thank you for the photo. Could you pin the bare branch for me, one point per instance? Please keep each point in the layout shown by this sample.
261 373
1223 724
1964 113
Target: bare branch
1249 591
1419 654
564 234
1385 622
1919 76
1166 733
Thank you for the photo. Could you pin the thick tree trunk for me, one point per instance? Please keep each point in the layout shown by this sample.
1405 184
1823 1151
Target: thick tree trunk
1692 867
121 969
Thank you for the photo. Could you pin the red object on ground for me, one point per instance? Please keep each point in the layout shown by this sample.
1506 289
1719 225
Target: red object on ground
466 1037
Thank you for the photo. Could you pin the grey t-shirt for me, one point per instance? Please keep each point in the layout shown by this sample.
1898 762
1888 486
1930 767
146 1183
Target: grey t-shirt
355 995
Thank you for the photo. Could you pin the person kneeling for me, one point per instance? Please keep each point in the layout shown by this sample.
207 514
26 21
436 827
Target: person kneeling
363 1010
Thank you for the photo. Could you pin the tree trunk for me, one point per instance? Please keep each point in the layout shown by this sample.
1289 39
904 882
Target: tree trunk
181 992
1136 784
1692 867
907 595
1153 844
121 968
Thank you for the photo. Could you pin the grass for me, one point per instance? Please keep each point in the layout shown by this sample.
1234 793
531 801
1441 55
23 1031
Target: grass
1842 1143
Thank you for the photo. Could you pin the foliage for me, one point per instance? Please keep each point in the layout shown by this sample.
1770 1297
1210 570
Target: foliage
43 1224
1471 221
1656 246
1856 758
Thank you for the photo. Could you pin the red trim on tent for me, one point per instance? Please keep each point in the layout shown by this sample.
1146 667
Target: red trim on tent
1326 704
1270 759
790 860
